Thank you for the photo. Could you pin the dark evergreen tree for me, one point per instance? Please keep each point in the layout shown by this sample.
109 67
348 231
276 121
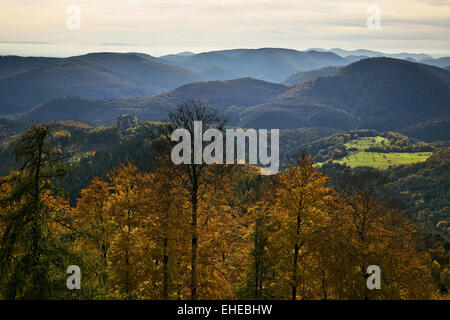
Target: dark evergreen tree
29 250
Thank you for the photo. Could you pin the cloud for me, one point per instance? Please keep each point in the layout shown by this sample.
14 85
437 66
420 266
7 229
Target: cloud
205 24
25 42
112 44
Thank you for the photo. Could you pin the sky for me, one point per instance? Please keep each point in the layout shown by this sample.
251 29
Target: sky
157 27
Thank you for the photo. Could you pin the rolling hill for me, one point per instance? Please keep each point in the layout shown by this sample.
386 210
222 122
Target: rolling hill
13 65
440 62
373 54
141 69
27 82
285 114
432 130
269 64
424 188
369 148
378 93
308 75
220 94
9 128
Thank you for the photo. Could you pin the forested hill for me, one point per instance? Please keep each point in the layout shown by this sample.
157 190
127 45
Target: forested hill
26 82
341 145
309 75
9 128
220 94
130 227
422 185
98 149
378 93
425 188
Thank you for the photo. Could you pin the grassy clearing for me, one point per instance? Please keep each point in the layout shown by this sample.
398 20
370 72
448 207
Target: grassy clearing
364 143
358 156
382 160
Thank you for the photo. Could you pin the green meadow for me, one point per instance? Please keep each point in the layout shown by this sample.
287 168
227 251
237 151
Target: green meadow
382 160
358 156
366 142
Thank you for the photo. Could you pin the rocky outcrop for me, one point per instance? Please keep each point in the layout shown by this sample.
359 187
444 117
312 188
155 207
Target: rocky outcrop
125 122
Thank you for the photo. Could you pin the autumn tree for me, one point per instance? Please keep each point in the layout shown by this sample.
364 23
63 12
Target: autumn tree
368 228
299 210
126 204
95 228
254 193
195 178
166 224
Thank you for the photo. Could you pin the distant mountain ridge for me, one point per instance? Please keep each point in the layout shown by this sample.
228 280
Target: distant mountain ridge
440 62
413 57
373 54
27 82
308 75
268 64
376 93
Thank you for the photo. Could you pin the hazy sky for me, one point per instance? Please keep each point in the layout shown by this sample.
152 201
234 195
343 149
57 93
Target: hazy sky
157 27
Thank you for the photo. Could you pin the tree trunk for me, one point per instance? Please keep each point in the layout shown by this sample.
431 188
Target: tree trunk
36 228
165 270
294 268
194 236
294 273
256 262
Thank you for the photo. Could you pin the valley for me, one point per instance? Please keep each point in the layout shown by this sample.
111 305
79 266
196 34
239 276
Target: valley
356 128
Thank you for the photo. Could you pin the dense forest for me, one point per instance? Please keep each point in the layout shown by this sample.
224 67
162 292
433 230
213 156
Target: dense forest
140 227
